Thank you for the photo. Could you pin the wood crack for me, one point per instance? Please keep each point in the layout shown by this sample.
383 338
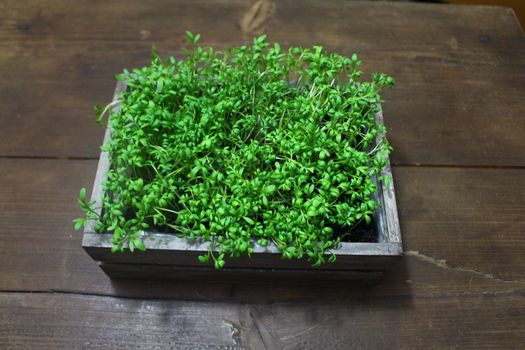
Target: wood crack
481 294
307 330
268 340
114 296
442 263
254 20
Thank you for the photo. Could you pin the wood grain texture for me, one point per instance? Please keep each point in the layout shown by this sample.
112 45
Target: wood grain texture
81 322
252 275
62 321
465 71
386 216
476 217
458 250
461 79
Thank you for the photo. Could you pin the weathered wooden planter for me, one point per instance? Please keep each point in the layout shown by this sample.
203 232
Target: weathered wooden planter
172 258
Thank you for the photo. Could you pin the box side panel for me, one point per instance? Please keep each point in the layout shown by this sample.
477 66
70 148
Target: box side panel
170 250
237 275
103 163
387 219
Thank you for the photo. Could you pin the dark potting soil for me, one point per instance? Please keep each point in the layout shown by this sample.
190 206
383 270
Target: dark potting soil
363 232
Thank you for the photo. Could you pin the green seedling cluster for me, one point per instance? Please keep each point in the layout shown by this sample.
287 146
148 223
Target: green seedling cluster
243 147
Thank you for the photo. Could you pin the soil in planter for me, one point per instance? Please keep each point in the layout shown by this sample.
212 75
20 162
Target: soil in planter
363 232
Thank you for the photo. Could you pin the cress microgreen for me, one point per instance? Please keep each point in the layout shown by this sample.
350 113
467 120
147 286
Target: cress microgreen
250 145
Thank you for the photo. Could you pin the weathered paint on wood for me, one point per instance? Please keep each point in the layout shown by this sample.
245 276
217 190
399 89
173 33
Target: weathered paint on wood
386 217
167 250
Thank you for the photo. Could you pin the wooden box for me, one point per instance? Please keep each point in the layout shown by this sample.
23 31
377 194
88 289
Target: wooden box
171 258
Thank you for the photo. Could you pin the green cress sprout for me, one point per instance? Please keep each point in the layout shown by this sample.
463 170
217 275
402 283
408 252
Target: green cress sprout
248 146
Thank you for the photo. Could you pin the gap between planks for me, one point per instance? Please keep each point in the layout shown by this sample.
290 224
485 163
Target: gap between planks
47 157
457 166
234 300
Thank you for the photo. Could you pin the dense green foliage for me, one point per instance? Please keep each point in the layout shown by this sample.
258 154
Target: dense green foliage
241 147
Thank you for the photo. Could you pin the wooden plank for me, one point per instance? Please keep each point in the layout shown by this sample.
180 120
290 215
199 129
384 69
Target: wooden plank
59 321
388 221
256 276
468 218
103 162
395 323
466 226
516 5
465 71
166 249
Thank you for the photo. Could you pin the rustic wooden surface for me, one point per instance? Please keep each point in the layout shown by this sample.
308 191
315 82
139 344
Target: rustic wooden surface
456 112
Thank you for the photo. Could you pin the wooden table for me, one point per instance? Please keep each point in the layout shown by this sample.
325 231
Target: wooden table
456 121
